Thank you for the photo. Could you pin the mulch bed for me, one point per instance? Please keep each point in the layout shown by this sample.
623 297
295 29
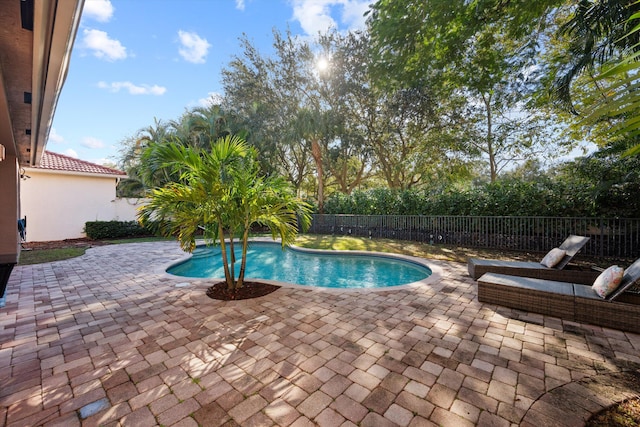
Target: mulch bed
63 244
249 290
625 414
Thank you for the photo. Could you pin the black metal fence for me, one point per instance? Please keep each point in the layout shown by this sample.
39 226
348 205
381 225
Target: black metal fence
619 237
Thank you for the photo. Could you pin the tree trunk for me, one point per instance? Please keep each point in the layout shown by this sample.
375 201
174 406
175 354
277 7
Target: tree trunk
316 152
490 149
243 261
225 263
233 255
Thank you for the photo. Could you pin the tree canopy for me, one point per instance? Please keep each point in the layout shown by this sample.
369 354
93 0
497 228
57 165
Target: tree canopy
432 95
480 52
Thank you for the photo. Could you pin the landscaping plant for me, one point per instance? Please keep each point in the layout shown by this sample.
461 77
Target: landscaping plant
221 194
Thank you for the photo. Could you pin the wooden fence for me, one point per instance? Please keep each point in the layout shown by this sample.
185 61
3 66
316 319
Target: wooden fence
610 237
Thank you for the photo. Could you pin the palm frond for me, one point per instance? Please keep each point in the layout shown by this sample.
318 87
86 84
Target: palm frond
621 101
220 191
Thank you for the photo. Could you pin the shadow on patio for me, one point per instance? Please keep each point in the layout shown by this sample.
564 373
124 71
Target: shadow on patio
107 339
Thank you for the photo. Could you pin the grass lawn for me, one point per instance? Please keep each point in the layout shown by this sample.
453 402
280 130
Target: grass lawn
418 249
441 252
55 251
38 256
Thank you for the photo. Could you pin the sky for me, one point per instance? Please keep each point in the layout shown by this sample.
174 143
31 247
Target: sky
134 61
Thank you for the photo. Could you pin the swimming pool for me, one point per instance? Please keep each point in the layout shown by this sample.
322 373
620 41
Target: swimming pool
327 269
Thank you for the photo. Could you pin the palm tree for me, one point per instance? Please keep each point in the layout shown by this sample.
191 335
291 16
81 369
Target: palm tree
221 192
597 32
196 128
134 161
215 122
621 102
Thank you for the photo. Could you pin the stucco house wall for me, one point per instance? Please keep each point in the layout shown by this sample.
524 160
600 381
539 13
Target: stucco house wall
58 202
126 209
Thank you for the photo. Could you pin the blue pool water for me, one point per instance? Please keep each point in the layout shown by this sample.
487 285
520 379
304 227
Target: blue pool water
324 269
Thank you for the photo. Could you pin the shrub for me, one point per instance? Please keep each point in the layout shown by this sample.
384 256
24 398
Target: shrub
114 229
508 197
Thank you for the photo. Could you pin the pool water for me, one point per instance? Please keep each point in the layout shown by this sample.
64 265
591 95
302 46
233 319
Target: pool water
318 268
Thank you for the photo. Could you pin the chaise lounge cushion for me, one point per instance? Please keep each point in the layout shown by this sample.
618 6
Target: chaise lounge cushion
578 274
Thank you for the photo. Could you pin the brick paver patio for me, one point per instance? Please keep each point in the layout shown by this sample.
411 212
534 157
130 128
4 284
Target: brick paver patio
108 339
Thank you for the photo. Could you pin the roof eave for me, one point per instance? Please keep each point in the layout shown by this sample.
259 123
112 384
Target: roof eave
54 31
28 170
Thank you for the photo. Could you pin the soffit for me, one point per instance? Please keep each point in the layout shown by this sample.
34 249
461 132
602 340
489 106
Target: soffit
16 59
33 62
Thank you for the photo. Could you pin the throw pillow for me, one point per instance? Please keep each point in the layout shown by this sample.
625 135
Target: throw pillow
608 281
552 258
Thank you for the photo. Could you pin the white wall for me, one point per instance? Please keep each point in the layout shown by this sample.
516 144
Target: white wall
126 209
58 205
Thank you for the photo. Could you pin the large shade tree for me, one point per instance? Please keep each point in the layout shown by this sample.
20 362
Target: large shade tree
479 52
346 91
221 192
402 137
279 98
315 107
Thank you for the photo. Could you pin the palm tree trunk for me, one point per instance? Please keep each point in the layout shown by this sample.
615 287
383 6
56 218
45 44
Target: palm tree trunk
227 274
233 254
243 263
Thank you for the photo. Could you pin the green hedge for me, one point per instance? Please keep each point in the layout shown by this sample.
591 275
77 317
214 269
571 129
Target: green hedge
503 198
114 229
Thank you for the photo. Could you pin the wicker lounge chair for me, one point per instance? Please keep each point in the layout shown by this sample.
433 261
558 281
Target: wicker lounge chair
562 271
570 301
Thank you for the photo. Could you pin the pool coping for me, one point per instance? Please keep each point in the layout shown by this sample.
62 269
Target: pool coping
436 271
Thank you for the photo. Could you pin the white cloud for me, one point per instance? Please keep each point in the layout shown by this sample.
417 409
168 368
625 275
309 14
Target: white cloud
240 4
103 47
103 161
100 10
194 48
314 15
317 16
213 98
54 137
71 153
133 89
91 142
353 14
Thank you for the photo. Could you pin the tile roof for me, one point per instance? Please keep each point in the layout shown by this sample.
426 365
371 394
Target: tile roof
60 162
